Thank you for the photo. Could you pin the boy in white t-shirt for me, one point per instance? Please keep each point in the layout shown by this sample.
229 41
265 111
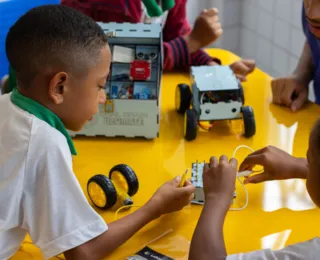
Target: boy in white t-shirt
61 58
219 183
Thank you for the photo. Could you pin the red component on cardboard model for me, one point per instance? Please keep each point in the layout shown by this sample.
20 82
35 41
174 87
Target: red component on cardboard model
140 70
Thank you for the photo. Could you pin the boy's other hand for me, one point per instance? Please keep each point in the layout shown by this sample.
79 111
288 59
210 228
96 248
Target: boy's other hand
277 164
219 179
243 68
170 197
290 92
240 68
207 29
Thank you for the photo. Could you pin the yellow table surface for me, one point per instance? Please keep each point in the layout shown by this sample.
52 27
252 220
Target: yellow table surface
279 213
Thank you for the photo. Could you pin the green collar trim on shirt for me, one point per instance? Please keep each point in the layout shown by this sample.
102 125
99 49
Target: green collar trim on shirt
154 10
42 113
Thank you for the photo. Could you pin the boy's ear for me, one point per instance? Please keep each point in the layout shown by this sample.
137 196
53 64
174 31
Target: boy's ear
57 87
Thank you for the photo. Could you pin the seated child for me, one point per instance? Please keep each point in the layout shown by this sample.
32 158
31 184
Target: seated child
219 183
182 46
292 91
61 58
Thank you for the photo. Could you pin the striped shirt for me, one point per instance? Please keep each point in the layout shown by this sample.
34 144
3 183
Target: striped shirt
176 55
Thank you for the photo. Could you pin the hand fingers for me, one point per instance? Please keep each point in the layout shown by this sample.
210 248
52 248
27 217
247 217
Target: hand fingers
300 100
216 27
187 190
286 93
219 33
213 161
257 178
276 86
211 12
252 160
206 167
212 63
241 78
246 167
175 182
191 198
251 64
240 68
223 159
233 162
187 183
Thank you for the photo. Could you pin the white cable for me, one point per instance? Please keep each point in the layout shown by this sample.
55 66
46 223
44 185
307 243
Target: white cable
240 174
201 98
239 147
238 177
247 197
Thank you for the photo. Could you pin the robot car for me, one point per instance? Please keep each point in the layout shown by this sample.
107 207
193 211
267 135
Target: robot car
216 95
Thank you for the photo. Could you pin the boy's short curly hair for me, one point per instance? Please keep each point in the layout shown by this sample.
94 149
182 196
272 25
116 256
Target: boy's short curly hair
52 38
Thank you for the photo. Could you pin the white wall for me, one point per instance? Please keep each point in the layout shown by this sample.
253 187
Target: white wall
268 31
272 34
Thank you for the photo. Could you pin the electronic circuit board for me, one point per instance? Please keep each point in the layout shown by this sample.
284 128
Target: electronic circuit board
196 179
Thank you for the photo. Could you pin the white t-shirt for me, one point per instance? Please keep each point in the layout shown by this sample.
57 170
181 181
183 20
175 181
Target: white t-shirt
309 250
39 193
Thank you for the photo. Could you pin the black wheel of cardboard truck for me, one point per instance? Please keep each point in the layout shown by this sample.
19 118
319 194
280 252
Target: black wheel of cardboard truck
190 125
125 177
101 191
183 98
249 121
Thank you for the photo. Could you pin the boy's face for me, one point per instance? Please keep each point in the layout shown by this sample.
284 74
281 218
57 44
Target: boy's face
312 8
313 156
80 98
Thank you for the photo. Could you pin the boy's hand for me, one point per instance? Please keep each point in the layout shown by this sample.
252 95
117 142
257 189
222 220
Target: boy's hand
290 92
219 179
170 197
278 165
207 29
240 68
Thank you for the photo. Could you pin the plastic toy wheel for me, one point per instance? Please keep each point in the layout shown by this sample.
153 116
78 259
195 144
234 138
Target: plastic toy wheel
249 121
190 125
101 191
183 98
125 177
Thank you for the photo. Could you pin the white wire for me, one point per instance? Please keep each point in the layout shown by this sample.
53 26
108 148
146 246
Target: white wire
201 98
239 147
238 178
242 184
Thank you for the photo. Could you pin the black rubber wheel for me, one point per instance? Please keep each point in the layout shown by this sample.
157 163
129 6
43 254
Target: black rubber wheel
191 125
183 98
129 175
109 191
249 121
241 94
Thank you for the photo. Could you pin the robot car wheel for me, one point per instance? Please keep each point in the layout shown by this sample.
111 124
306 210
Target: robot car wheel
124 176
101 191
249 121
190 125
183 98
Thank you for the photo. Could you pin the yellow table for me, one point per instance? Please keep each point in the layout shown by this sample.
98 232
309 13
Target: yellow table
278 214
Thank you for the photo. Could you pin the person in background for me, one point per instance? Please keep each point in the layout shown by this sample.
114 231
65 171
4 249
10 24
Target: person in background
182 45
219 183
292 91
